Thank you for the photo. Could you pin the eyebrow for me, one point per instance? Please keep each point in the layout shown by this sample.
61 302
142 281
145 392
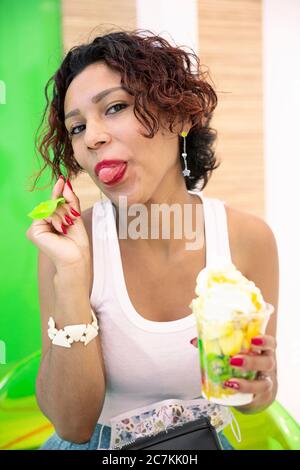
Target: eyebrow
95 99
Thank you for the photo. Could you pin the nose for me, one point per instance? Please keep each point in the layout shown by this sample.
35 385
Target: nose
94 136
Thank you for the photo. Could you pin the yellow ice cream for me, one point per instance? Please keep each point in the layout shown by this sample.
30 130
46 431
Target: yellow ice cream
230 311
228 307
224 294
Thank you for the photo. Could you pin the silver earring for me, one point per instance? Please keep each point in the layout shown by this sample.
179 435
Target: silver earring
185 172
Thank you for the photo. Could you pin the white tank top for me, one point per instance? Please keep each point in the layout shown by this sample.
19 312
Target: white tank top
145 361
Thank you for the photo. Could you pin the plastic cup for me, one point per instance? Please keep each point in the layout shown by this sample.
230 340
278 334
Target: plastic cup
219 341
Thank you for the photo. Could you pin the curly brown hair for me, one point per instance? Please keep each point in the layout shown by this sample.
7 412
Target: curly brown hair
155 73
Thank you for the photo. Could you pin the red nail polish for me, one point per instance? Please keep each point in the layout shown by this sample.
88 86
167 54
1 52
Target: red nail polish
74 212
257 341
193 340
61 177
69 184
69 220
64 229
234 385
236 361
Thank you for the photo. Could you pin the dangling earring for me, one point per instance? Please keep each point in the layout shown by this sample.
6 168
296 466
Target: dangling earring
185 172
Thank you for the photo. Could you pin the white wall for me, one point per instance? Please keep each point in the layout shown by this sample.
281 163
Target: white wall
282 129
170 18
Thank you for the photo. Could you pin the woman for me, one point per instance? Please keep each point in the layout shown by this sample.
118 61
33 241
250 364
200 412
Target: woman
129 110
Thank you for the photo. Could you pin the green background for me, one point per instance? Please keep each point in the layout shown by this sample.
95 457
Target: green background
30 52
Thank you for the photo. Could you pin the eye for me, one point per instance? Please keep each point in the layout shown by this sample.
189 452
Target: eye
122 105
72 131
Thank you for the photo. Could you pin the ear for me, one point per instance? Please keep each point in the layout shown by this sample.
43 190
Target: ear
184 126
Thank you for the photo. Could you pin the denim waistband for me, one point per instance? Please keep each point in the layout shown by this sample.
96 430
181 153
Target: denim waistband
103 433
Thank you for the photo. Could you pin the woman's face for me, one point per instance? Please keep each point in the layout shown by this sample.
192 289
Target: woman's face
106 128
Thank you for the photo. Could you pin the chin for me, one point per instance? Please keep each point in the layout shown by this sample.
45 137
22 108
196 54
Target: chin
133 194
130 199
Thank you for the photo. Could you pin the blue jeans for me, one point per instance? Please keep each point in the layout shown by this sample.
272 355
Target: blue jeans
56 443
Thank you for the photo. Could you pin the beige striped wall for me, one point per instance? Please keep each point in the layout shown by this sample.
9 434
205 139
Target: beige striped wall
230 45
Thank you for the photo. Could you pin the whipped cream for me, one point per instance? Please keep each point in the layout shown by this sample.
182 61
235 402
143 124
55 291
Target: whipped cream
224 294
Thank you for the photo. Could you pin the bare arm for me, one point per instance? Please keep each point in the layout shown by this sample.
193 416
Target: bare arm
70 387
260 248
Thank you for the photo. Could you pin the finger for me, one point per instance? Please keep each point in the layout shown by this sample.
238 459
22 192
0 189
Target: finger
71 198
194 342
259 362
58 188
68 219
56 192
263 343
65 214
71 208
59 223
63 211
264 385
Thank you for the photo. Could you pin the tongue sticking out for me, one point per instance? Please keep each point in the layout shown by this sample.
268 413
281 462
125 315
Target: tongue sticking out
107 174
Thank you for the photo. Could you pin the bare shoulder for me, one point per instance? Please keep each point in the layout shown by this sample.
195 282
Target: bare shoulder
254 244
251 231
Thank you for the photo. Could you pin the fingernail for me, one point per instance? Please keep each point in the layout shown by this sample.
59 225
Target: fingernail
234 385
64 229
69 184
237 361
74 212
257 341
69 220
193 340
61 177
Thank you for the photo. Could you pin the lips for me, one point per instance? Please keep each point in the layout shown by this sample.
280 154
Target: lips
110 171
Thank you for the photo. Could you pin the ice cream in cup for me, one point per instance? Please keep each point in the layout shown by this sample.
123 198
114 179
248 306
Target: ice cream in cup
230 311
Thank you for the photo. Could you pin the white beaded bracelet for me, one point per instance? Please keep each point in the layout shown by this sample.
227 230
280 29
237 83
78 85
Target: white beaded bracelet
73 333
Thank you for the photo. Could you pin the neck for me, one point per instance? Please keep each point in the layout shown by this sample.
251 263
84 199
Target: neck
167 224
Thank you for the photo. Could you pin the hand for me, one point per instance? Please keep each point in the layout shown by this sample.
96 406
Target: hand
63 237
262 359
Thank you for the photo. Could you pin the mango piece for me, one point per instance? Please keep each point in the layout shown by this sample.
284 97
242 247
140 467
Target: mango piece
256 300
240 323
215 330
226 329
212 346
246 344
253 329
232 344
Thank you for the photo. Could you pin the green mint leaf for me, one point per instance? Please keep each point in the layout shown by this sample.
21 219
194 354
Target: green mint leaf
46 208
